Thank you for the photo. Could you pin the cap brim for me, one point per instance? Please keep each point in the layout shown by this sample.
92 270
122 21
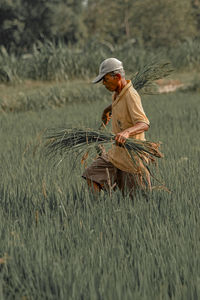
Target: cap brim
98 78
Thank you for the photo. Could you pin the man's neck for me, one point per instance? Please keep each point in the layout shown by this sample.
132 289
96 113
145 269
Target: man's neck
121 85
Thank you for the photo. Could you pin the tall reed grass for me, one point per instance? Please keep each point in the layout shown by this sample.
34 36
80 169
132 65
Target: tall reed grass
49 61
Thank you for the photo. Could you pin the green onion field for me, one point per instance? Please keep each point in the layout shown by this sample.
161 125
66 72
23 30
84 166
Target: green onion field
57 241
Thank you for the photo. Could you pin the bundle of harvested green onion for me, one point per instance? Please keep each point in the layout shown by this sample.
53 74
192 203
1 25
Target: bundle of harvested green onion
146 77
82 140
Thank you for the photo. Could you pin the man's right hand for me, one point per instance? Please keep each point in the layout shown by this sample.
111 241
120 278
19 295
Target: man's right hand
107 115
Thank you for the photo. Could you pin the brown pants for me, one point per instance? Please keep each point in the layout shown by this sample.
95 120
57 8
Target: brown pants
107 176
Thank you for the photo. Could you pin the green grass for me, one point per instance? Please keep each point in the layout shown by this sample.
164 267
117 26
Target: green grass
37 96
32 95
48 61
59 242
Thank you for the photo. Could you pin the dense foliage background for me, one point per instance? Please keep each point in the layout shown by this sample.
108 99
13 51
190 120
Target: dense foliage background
145 22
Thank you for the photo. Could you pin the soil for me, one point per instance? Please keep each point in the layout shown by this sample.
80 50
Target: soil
167 86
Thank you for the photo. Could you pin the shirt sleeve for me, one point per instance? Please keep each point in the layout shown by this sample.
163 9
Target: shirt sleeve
135 109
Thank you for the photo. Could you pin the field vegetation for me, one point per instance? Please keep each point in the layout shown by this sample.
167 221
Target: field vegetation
58 241
49 61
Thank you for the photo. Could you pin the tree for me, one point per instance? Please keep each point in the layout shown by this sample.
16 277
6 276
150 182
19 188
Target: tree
196 12
67 20
155 23
10 24
23 22
163 22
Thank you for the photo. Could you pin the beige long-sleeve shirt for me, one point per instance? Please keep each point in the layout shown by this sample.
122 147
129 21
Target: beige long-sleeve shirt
127 111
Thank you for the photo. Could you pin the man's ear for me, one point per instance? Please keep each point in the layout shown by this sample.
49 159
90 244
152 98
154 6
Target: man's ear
118 76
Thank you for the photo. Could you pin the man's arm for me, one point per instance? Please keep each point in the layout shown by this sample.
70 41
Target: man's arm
136 129
106 116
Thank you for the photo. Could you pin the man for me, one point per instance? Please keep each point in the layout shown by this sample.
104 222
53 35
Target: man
116 167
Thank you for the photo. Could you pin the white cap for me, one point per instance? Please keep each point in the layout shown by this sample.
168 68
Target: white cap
107 66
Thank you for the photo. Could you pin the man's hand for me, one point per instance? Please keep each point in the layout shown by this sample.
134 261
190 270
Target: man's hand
121 137
125 134
107 115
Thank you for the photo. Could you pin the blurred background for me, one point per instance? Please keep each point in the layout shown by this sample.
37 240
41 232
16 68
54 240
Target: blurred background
163 23
71 37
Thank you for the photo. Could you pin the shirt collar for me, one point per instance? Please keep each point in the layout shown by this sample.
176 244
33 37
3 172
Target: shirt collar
123 91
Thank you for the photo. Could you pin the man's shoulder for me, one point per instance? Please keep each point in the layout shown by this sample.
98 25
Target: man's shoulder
132 90
132 93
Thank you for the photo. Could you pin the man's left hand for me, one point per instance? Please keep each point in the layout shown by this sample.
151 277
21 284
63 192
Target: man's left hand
122 136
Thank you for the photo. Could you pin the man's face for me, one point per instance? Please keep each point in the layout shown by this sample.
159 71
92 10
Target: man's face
111 82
